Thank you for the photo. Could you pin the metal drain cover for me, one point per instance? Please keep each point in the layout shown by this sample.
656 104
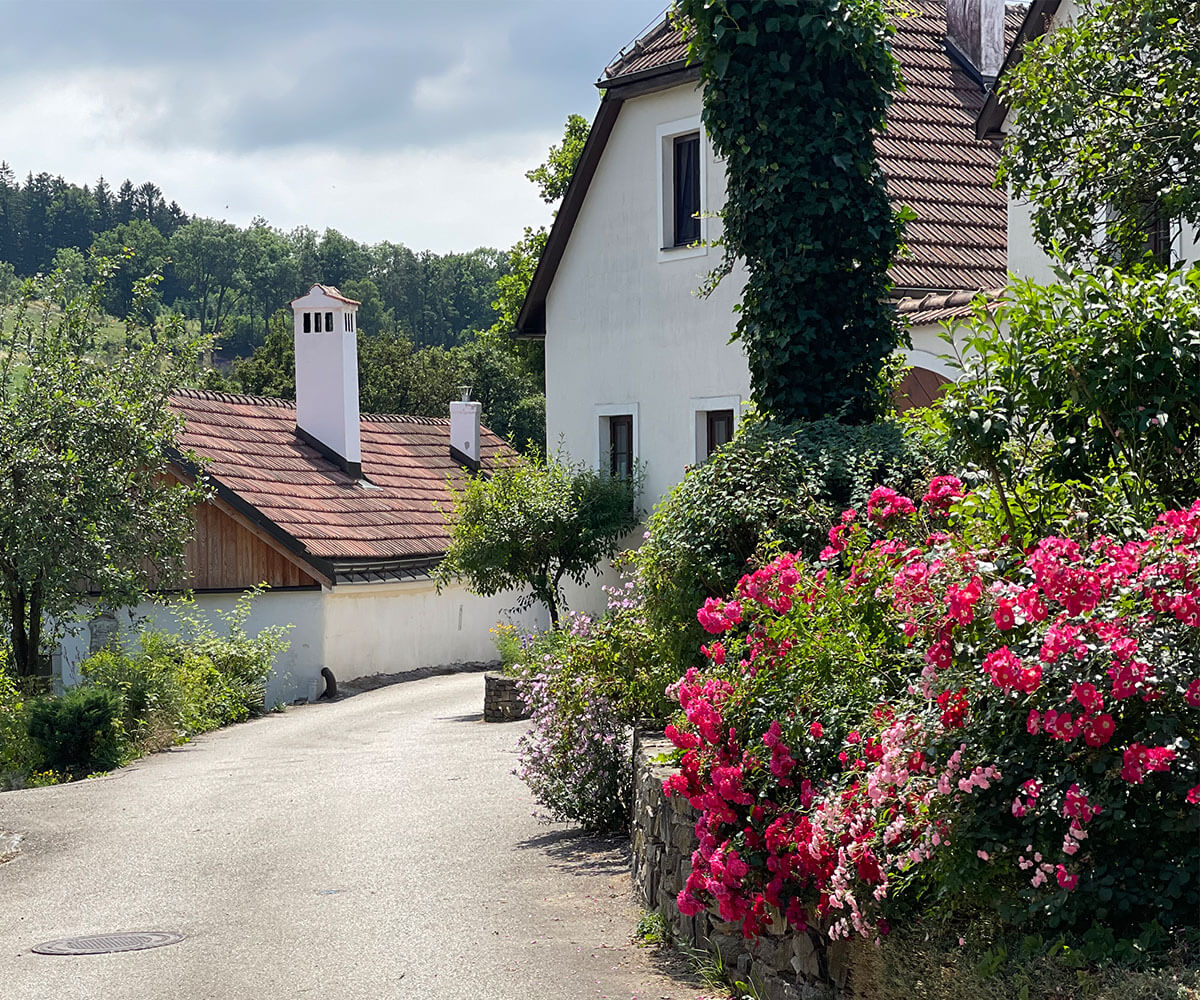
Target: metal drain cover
106 944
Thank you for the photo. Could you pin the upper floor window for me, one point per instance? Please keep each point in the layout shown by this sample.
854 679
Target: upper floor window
682 192
686 189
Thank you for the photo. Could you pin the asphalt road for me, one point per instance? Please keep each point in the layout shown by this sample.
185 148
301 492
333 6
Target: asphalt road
373 848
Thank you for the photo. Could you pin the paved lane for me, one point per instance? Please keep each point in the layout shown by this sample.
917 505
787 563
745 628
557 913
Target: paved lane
373 848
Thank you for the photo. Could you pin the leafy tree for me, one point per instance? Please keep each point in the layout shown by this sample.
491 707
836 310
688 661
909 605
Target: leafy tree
1096 379
142 251
207 254
83 462
1106 119
533 523
793 97
554 176
271 270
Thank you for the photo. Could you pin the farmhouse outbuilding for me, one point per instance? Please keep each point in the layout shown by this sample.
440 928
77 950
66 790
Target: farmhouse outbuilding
342 515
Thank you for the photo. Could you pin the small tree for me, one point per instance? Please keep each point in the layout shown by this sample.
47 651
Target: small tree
87 502
532 524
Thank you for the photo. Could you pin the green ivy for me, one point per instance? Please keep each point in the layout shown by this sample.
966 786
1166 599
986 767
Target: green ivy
793 96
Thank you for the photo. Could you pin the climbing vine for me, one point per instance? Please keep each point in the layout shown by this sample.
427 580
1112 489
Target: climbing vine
793 95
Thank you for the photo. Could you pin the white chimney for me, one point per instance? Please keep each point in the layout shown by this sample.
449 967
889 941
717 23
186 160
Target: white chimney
464 430
975 32
327 375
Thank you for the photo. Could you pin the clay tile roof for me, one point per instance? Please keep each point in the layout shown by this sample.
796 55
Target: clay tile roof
659 47
252 450
932 308
930 156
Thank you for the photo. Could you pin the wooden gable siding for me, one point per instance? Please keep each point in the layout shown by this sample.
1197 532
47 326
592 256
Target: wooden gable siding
225 555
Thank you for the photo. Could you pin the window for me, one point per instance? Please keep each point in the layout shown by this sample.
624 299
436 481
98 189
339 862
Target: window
308 322
686 189
719 429
617 438
620 445
682 193
1158 236
328 322
714 419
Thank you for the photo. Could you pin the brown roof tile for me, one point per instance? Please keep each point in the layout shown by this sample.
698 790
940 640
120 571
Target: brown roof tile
250 447
930 156
929 309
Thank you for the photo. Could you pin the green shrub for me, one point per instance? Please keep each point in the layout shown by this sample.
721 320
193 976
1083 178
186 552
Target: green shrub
1076 386
80 732
151 700
773 487
173 686
586 686
18 754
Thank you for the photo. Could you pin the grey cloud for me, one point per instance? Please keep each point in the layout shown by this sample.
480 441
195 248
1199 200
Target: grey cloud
251 76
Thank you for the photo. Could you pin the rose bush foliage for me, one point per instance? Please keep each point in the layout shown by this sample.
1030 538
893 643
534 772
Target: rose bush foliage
937 713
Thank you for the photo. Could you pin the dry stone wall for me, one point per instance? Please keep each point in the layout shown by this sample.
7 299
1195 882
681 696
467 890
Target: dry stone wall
501 702
784 964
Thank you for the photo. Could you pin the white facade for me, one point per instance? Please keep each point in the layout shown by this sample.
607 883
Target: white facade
354 630
628 333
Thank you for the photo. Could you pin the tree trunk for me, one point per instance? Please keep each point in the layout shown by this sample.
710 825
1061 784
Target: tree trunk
20 637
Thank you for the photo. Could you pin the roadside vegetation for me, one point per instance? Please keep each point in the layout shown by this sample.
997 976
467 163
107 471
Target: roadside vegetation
93 523
933 680
149 690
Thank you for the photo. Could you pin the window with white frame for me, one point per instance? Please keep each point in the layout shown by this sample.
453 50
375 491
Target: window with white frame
617 439
715 418
682 189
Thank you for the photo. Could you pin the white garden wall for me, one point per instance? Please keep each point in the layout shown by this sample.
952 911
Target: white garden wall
392 628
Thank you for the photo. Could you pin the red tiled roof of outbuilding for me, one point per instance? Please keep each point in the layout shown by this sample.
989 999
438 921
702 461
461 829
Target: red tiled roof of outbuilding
397 512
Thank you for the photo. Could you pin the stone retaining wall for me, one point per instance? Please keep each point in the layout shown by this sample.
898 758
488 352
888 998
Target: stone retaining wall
784 964
501 703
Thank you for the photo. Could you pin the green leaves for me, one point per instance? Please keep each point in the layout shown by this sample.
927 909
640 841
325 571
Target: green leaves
83 465
793 95
1103 135
1095 380
533 522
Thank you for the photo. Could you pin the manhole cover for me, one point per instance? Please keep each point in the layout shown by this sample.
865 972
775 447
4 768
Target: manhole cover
105 944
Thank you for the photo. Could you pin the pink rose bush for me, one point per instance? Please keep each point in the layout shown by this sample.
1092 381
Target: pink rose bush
934 707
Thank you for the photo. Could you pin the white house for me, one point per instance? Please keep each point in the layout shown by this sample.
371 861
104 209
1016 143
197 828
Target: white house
1025 258
342 514
639 368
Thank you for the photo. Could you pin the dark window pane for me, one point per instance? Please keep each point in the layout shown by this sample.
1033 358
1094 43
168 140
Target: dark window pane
620 437
308 322
720 428
329 322
687 189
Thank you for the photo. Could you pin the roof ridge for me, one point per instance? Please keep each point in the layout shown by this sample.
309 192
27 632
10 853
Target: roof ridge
403 418
231 397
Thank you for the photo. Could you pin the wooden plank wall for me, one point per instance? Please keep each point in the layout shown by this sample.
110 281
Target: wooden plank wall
223 555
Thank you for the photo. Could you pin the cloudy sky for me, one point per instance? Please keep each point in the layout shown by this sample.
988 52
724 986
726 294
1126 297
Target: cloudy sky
386 119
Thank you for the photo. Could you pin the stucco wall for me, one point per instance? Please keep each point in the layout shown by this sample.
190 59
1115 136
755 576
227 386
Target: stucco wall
625 328
355 631
391 628
297 671
626 331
